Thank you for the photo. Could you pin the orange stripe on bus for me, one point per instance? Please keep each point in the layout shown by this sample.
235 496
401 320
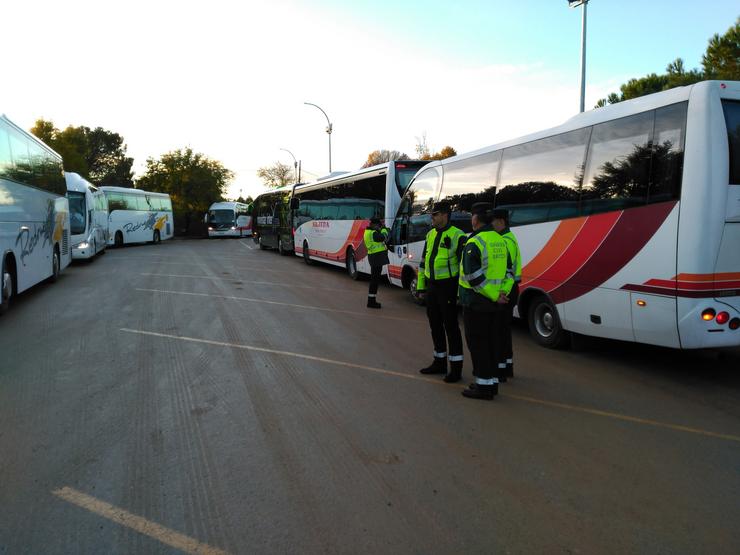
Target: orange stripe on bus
726 276
548 255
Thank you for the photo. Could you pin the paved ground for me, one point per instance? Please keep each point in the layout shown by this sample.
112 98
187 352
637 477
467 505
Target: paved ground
204 396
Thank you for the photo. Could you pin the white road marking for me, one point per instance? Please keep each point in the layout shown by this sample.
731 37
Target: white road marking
134 522
245 245
285 353
373 315
533 400
290 285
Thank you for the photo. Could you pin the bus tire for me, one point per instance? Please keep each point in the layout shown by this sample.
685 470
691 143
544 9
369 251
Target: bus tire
351 264
157 237
281 249
306 255
544 324
263 247
55 265
7 285
118 239
416 298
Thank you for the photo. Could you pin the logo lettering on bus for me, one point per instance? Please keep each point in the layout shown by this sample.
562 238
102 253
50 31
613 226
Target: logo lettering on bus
319 223
28 242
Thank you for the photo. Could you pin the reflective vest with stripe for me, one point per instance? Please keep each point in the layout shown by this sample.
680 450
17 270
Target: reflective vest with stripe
490 279
445 264
371 244
514 266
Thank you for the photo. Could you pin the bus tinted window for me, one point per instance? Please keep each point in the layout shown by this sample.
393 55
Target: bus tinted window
666 167
21 158
618 167
421 196
77 212
467 182
116 201
541 172
732 119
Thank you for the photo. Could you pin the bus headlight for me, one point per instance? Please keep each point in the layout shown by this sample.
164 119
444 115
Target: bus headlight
233 228
82 245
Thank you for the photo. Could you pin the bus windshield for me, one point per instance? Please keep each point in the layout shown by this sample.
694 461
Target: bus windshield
403 178
221 216
77 211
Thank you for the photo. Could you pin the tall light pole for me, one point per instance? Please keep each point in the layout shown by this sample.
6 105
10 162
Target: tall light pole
296 166
329 128
584 4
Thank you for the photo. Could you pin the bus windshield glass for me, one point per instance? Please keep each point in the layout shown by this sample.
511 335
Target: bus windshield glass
403 178
732 118
221 216
77 211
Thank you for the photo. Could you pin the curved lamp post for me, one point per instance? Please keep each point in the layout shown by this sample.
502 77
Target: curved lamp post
329 128
296 166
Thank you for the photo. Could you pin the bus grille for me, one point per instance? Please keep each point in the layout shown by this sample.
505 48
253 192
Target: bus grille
65 242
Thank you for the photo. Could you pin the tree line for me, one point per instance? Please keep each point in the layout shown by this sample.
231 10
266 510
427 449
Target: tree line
721 60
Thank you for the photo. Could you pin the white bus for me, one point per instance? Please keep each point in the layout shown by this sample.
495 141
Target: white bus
34 213
88 217
229 219
136 216
331 214
628 218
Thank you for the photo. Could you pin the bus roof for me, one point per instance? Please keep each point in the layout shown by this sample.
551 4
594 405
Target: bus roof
595 116
30 136
378 169
226 205
130 190
75 182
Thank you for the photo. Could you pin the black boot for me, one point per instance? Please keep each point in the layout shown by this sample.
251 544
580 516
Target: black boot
455 373
476 386
501 372
372 303
509 368
485 392
439 366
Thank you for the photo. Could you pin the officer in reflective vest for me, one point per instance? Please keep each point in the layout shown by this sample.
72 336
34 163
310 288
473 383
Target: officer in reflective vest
437 279
377 255
513 273
483 296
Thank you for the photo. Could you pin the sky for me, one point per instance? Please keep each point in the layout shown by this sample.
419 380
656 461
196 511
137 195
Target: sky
229 79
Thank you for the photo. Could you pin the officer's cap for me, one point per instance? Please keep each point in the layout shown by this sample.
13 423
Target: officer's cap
482 208
501 213
443 207
375 220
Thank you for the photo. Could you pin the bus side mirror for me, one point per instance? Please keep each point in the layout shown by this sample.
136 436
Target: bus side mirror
404 232
205 218
294 203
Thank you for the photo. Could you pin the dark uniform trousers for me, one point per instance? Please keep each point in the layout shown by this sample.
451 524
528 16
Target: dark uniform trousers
441 301
375 274
483 336
507 352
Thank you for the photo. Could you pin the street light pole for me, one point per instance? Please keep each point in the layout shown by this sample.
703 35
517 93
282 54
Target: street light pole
329 128
296 168
584 4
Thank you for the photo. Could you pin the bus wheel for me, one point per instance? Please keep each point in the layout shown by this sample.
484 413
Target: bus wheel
306 256
415 296
351 264
118 241
281 248
544 324
157 237
263 247
6 287
54 265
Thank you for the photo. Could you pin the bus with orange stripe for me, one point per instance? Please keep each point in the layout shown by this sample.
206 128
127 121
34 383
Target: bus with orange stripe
331 214
627 217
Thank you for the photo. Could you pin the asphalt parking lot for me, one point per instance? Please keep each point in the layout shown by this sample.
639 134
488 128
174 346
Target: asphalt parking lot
208 397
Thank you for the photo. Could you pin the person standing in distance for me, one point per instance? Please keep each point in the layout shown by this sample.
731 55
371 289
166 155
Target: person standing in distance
514 274
439 269
483 298
377 255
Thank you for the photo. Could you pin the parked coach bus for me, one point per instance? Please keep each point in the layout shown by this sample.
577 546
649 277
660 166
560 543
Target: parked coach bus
331 214
88 217
136 216
628 218
34 213
272 222
229 219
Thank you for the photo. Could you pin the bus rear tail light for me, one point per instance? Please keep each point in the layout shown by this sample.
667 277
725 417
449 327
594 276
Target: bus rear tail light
708 315
723 318
735 323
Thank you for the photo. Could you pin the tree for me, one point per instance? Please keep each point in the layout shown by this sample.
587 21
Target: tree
446 152
277 175
720 61
722 58
192 180
381 156
96 154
